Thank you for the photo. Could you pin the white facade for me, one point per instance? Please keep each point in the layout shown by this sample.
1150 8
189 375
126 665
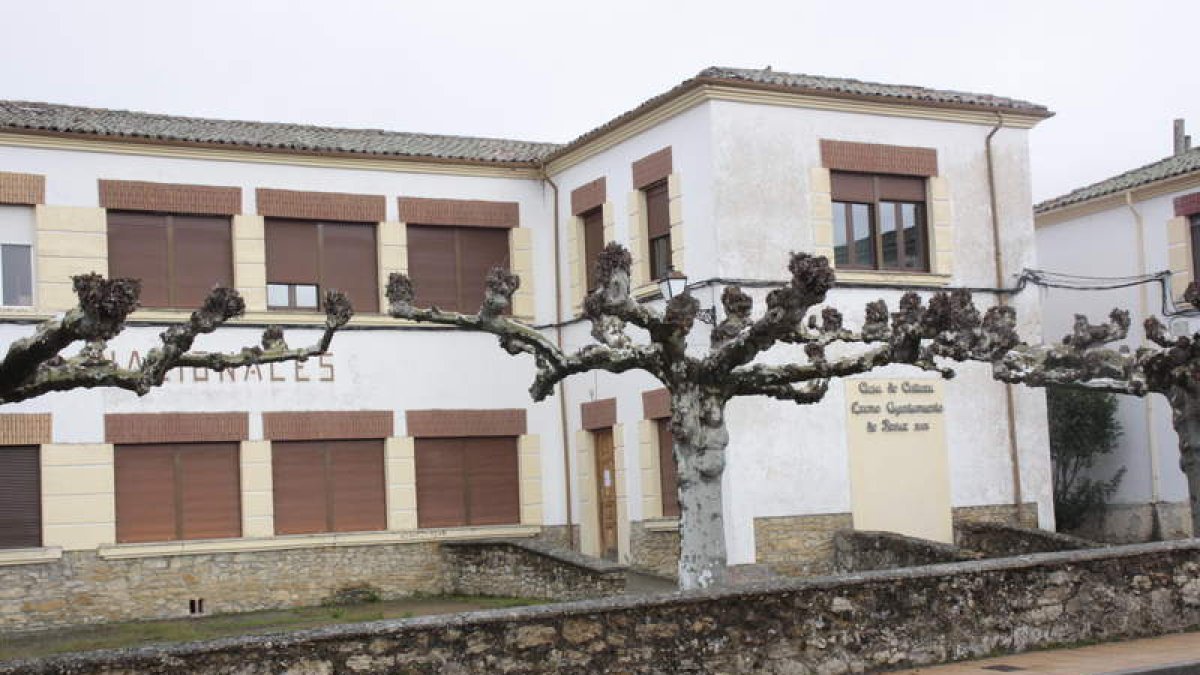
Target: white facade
746 182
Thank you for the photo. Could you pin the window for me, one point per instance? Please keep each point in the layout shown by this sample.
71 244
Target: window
16 256
668 472
177 491
593 243
449 265
658 228
1194 229
20 497
179 258
467 481
307 257
328 486
879 222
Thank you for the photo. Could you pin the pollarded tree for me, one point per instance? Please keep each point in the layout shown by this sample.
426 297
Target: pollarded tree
34 365
1085 359
701 385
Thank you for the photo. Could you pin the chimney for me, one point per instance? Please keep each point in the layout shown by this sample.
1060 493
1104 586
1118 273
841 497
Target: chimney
1183 142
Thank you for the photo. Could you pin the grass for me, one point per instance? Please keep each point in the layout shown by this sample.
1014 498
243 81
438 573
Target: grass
137 633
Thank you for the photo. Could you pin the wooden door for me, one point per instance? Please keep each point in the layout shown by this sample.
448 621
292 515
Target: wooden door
606 492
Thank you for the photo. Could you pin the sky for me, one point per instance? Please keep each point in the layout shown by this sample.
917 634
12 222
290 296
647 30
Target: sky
1116 73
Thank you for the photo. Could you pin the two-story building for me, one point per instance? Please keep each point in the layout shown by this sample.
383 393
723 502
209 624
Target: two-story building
1119 233
271 486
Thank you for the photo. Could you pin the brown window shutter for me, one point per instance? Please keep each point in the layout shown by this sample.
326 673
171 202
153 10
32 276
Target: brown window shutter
356 483
20 497
668 473
493 483
350 263
441 482
137 249
432 266
658 213
291 251
145 493
593 243
479 250
901 188
203 257
852 187
298 484
209 484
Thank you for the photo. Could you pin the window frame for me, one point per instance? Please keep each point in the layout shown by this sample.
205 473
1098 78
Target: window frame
670 493
593 218
1194 242
320 282
875 208
466 486
26 241
327 449
461 303
35 518
662 186
178 479
172 290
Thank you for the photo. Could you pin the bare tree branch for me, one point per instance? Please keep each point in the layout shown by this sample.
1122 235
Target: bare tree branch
33 366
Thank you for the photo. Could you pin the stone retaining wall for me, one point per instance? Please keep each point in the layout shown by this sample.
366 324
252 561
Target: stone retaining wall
869 621
860 551
998 540
528 569
653 550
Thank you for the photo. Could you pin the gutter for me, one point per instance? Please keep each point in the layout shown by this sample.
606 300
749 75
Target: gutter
564 432
1144 306
998 263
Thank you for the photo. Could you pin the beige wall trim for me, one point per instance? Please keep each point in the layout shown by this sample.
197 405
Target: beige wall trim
400 469
327 425
258 497
393 255
520 251
661 524
622 478
675 221
134 195
1179 255
652 502
69 240
588 196
226 154
22 188
25 428
941 227
250 261
639 269
600 414
287 542
589 507
29 556
79 509
176 427
820 196
462 423
343 206
892 278
529 460
459 212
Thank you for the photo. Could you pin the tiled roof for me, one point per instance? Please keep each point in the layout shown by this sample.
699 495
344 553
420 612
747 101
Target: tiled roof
301 138
1175 165
48 117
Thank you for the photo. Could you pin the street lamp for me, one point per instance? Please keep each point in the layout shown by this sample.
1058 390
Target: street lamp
676 283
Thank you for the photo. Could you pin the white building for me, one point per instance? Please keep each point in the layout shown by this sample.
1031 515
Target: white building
720 178
1136 224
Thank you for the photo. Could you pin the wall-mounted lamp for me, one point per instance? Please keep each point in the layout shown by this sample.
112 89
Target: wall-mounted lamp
676 283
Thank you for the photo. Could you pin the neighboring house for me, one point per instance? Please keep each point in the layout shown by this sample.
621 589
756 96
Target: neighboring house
405 435
1135 224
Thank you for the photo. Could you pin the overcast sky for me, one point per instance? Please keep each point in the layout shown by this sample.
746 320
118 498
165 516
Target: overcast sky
1116 73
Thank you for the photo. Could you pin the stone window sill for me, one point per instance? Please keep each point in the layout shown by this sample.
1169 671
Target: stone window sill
661 524
27 556
890 278
295 541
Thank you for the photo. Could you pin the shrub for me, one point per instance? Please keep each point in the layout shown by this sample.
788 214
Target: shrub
1083 428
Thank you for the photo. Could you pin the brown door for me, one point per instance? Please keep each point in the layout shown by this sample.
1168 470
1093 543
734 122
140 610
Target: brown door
606 492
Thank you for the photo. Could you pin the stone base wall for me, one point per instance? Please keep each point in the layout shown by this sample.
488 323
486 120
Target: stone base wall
864 623
84 588
558 536
1130 523
860 551
998 513
528 569
654 551
797 546
999 540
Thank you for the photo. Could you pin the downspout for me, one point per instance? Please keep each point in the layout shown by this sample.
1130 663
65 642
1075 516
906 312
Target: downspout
998 263
564 432
1144 304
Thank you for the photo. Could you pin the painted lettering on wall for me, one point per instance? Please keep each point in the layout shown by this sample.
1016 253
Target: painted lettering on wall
315 370
893 407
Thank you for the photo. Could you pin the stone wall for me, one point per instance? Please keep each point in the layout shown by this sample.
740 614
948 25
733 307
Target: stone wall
798 545
997 513
998 540
528 569
1129 523
865 622
83 588
653 550
859 551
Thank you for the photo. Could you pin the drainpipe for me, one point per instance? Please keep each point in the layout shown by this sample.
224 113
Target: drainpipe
998 263
1144 305
564 432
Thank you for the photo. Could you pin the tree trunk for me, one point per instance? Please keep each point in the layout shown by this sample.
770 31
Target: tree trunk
1185 416
698 426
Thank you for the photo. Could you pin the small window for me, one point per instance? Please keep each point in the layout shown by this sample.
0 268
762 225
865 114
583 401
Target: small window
879 222
306 257
16 256
658 229
467 481
668 472
20 497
